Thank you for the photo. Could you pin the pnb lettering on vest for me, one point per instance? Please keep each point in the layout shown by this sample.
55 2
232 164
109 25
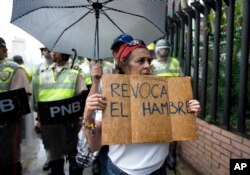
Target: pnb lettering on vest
61 111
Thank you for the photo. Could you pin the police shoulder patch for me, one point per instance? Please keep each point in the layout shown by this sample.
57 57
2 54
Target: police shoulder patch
72 76
5 75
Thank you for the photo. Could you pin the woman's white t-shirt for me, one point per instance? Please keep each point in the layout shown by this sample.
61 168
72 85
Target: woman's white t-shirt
137 159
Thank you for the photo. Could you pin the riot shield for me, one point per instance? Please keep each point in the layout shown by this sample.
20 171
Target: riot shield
13 104
61 111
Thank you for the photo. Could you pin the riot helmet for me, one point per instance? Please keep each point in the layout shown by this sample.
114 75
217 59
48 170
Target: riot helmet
162 48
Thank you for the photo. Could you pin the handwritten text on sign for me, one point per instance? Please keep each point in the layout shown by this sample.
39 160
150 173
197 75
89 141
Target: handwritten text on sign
145 91
145 105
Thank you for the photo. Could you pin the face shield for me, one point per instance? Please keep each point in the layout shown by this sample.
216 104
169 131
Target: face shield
163 52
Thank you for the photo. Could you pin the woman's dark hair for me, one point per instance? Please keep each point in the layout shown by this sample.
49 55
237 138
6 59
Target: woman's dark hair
65 57
126 60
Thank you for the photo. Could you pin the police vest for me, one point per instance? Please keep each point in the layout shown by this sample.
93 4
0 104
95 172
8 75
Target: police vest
28 72
172 69
53 87
87 79
107 67
35 80
85 68
7 70
36 73
40 68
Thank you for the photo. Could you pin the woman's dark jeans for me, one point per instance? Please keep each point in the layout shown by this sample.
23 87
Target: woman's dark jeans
108 168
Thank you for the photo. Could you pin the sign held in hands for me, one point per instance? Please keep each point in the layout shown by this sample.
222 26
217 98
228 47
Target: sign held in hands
147 109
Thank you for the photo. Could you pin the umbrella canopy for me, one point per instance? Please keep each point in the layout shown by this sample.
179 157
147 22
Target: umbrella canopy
89 26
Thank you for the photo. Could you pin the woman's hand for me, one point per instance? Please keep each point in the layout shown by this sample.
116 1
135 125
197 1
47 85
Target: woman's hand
96 69
94 102
92 127
194 106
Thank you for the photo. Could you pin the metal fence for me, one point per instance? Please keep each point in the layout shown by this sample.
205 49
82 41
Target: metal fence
211 40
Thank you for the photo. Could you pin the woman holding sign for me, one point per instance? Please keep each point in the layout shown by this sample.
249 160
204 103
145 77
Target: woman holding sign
135 159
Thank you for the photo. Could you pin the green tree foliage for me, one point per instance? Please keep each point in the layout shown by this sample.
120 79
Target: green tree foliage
238 21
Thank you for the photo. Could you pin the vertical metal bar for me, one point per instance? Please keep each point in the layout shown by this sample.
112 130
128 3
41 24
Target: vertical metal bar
172 35
182 32
244 68
189 47
167 30
96 7
196 54
182 17
229 56
175 54
97 37
198 8
204 63
216 60
176 20
166 19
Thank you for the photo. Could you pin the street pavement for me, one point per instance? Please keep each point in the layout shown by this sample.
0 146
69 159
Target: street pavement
33 155
33 158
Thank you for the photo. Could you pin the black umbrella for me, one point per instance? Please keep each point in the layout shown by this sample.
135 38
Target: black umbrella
87 26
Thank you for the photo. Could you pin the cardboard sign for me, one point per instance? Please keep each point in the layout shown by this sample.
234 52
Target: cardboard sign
147 109
13 104
61 111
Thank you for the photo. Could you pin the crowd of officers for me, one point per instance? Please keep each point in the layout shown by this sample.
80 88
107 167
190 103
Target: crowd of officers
53 80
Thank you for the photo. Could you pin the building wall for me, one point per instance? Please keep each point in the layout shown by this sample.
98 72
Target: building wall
211 153
18 47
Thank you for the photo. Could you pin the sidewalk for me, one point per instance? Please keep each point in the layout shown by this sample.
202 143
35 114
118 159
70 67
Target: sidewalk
183 168
33 158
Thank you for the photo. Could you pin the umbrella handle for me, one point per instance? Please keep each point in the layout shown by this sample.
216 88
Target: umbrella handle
74 58
98 76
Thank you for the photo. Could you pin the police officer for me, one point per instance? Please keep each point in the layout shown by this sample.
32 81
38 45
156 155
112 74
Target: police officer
40 68
11 77
47 59
45 54
164 65
19 60
85 68
59 82
151 49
